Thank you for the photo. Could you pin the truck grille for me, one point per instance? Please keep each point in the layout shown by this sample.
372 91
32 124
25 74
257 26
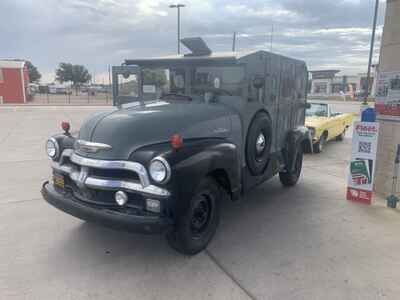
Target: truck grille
107 175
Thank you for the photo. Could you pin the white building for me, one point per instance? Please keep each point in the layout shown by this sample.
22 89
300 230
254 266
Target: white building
326 83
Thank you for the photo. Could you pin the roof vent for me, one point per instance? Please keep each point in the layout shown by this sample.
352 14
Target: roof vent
197 46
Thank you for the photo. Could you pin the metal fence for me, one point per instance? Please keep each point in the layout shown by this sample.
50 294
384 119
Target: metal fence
87 98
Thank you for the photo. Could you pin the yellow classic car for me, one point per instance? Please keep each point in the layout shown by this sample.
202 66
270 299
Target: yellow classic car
326 125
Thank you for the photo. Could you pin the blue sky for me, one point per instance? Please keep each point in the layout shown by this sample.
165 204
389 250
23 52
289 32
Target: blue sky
96 33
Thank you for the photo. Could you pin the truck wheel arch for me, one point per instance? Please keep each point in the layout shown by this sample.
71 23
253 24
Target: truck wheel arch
296 139
222 178
219 160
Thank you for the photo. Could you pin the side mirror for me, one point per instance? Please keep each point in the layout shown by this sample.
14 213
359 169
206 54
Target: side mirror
308 105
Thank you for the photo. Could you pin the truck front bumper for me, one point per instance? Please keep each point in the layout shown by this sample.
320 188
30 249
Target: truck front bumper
107 217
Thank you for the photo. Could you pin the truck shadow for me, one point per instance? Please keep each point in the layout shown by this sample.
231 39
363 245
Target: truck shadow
271 218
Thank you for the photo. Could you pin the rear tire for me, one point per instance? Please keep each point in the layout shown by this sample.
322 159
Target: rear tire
340 137
290 178
319 146
197 226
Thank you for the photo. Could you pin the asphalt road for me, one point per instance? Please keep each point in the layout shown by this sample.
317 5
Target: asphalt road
305 242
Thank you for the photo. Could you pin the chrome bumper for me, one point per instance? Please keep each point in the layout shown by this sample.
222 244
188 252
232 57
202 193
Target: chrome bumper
83 178
125 220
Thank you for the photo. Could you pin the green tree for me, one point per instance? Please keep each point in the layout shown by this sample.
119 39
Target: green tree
77 74
156 77
34 74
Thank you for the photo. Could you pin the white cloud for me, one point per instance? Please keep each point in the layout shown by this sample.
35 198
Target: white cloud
243 10
97 33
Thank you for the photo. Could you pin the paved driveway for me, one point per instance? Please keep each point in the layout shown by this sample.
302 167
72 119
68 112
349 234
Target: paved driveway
306 242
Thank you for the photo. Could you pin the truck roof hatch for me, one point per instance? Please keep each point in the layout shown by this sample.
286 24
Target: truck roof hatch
197 45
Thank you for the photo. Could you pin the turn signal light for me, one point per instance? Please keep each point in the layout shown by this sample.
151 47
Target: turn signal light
176 141
65 126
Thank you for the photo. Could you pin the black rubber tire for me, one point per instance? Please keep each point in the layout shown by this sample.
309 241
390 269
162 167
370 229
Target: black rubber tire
257 162
182 238
340 137
290 178
319 146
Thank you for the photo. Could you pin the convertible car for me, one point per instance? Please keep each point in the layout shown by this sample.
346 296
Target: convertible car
326 125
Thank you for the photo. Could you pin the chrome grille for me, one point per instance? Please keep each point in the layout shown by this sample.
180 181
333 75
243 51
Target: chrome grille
107 174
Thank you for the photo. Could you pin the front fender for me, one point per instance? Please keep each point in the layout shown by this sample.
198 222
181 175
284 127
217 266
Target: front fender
191 163
199 161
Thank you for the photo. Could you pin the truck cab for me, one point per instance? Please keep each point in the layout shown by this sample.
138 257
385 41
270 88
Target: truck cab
186 131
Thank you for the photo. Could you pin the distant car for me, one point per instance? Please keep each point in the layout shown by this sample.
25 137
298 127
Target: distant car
359 95
325 125
59 89
33 88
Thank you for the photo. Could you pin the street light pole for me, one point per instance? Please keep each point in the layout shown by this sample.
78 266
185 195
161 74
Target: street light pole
234 42
178 7
371 53
272 36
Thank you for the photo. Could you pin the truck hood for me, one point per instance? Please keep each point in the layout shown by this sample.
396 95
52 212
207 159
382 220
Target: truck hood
315 121
128 129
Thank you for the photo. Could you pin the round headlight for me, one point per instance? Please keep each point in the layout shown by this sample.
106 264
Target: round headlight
159 170
52 148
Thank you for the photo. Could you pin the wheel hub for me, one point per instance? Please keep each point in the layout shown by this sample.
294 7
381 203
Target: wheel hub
200 216
260 143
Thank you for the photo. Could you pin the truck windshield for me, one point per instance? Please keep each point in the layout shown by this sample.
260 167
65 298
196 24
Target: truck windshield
192 82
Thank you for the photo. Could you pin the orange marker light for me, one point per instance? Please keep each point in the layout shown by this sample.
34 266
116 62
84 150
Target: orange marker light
176 141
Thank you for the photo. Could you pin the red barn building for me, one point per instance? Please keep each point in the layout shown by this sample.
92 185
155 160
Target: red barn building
14 81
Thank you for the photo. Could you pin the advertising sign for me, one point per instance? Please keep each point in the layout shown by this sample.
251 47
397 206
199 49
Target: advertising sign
388 94
362 165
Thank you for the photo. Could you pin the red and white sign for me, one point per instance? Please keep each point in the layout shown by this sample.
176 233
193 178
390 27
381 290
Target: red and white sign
362 165
388 94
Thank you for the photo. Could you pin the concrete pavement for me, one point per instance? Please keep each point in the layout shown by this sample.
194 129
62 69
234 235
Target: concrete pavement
306 242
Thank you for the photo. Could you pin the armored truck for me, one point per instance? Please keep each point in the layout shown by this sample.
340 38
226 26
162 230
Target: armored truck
186 132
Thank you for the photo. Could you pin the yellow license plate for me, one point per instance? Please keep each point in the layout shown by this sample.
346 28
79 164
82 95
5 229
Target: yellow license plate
58 180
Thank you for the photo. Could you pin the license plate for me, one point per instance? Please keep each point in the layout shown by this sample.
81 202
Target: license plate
58 180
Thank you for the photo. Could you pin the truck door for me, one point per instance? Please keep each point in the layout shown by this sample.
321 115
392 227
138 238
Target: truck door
126 84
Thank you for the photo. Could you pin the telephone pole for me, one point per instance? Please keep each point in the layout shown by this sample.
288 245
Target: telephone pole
371 53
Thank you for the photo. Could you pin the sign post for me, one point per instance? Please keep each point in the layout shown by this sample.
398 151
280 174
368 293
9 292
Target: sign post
362 165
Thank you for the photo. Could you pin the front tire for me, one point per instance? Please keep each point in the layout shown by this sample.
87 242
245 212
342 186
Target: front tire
197 226
319 146
291 177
